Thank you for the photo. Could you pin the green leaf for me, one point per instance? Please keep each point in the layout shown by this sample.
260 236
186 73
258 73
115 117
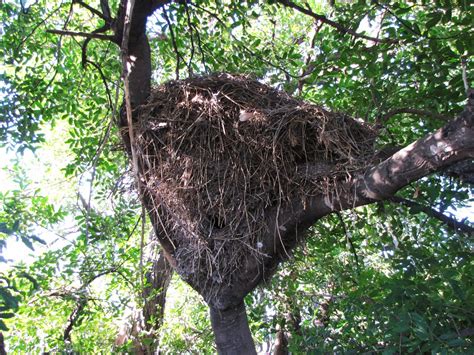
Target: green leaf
434 19
7 315
457 342
27 242
37 239
10 301
459 46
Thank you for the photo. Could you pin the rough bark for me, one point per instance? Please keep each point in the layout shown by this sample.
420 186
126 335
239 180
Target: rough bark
464 171
231 330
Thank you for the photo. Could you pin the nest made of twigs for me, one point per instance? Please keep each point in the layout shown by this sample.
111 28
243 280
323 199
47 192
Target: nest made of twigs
217 151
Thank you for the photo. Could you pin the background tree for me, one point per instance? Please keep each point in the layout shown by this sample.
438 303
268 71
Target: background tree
408 70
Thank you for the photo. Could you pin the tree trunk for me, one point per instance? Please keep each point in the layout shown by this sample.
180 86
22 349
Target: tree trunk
231 329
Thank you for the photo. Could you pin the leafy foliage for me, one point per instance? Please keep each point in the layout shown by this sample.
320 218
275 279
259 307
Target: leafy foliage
398 287
382 278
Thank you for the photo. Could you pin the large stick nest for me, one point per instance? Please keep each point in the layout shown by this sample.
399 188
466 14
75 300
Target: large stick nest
217 151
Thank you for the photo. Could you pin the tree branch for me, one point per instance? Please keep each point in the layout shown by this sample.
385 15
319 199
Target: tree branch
463 170
74 318
82 34
243 46
158 279
450 222
139 16
413 111
342 29
464 75
104 6
191 37
102 29
173 41
349 240
94 11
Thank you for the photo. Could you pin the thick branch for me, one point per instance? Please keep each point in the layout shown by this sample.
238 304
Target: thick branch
141 12
450 222
463 170
446 146
342 29
138 49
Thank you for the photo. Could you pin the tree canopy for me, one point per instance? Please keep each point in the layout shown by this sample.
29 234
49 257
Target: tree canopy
394 275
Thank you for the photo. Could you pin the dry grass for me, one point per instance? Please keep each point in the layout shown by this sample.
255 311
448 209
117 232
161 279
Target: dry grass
217 151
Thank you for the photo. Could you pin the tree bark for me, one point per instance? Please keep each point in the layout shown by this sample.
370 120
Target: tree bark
231 330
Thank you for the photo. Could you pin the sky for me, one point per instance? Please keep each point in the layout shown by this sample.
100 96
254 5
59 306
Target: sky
43 170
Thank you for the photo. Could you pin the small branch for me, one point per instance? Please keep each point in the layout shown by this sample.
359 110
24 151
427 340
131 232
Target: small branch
173 40
450 222
413 111
104 6
308 69
199 43
2 345
78 295
82 34
191 37
349 240
43 21
243 46
73 318
464 75
342 29
403 22
108 271
103 78
94 11
86 42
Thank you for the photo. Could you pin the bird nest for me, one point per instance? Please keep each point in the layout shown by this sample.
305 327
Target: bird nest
218 151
